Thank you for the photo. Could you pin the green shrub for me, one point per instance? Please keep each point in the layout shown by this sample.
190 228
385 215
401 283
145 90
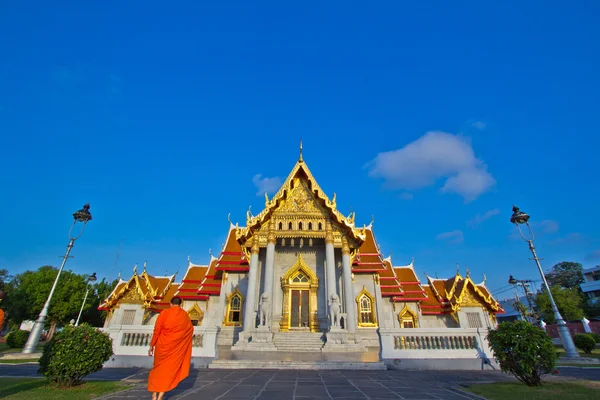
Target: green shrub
585 342
523 350
74 353
17 339
595 336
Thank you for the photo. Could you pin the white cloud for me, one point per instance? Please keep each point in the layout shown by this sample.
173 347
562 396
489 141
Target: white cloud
451 237
434 156
547 226
571 238
480 218
266 185
478 125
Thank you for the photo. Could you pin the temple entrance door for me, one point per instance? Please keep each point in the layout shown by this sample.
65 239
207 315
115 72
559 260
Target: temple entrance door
300 309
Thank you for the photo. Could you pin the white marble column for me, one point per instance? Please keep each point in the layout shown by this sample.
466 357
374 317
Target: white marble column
250 307
269 271
329 265
348 291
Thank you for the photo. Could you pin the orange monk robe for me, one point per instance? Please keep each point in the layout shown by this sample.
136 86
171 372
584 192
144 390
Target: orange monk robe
172 339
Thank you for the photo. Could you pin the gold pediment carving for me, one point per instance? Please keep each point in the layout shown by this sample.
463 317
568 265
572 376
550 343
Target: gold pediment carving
300 201
469 300
131 297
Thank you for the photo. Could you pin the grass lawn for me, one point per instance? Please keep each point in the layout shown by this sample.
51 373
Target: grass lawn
32 388
5 349
19 361
572 390
595 353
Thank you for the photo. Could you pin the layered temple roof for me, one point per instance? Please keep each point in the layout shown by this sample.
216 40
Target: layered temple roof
154 292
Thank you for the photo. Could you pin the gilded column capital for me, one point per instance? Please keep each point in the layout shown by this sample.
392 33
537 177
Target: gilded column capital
271 234
328 233
345 248
255 247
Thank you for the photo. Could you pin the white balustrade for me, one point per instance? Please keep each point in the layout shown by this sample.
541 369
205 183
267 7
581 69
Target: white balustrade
135 340
413 343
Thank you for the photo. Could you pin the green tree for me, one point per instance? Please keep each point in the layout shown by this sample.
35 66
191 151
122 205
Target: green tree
566 274
98 293
29 291
523 350
568 301
5 278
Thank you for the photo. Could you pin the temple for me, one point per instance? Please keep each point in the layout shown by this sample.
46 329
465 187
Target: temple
302 278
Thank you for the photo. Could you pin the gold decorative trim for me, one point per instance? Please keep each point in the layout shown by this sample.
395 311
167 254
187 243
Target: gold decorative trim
288 285
365 293
196 313
406 314
345 248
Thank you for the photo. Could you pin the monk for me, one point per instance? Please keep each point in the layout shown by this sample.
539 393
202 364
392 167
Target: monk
1 312
171 347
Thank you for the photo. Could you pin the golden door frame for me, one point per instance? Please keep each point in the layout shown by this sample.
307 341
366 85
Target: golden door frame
288 285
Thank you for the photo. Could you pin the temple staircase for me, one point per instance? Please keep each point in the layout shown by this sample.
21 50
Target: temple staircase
299 342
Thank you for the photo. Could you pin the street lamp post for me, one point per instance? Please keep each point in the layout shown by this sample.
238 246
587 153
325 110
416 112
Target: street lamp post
518 218
91 278
525 283
84 217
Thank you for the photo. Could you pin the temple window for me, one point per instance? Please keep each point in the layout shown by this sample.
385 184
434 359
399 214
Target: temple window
235 302
320 226
366 309
299 226
474 320
282 241
281 226
290 227
128 317
407 318
300 278
196 315
310 226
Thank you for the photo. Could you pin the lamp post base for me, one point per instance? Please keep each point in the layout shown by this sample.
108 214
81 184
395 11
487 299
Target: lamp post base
567 341
34 336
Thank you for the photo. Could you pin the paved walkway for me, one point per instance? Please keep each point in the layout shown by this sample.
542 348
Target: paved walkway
210 384
318 385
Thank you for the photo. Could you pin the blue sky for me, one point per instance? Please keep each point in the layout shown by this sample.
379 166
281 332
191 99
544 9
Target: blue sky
434 118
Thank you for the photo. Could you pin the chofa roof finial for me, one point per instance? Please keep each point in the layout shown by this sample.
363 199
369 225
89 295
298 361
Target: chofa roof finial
300 158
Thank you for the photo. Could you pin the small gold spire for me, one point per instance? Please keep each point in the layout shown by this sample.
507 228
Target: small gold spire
144 266
300 158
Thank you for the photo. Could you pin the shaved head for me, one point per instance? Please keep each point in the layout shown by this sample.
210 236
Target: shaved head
176 301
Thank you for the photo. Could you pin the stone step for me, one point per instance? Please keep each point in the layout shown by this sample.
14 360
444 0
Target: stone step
297 349
304 365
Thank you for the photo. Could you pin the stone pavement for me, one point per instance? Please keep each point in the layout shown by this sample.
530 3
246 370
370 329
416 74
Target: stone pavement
318 385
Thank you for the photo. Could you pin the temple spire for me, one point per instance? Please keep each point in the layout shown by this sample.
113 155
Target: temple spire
300 158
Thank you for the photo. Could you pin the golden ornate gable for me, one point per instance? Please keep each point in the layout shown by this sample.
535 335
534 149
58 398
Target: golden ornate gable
300 266
300 200
471 296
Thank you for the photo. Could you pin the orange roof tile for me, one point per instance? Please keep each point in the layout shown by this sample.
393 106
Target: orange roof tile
232 258
194 276
211 284
368 258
